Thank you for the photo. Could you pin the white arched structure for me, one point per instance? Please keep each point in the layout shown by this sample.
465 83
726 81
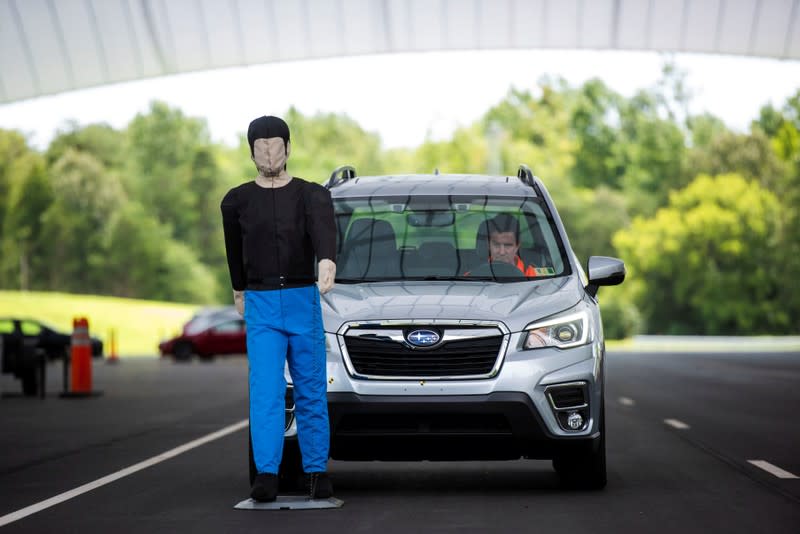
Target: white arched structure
53 46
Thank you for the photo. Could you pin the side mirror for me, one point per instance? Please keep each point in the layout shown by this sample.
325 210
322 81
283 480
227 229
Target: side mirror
604 271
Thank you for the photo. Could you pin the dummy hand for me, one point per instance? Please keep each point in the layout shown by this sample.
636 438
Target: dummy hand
327 272
238 301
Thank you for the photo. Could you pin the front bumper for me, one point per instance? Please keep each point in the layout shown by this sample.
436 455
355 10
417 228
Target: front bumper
494 426
527 372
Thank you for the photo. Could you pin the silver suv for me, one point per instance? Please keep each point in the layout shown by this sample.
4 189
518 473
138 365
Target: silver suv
438 350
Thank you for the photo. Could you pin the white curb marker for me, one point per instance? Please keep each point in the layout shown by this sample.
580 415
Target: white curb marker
52 501
674 423
772 469
626 401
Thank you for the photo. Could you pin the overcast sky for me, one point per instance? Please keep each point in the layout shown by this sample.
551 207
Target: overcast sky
406 97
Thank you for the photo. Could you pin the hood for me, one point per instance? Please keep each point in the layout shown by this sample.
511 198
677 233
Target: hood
515 304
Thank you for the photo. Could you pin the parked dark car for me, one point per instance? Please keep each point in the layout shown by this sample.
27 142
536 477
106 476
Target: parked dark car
55 344
211 332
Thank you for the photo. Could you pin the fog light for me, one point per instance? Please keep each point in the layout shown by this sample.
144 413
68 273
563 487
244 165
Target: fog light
574 420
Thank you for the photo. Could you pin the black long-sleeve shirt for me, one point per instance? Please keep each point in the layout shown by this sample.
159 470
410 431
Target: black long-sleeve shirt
272 235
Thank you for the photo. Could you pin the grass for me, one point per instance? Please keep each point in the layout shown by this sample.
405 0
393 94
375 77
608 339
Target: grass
139 324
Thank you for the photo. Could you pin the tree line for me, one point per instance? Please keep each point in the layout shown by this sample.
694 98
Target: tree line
706 218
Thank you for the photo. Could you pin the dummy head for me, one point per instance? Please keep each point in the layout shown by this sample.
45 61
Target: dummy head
269 144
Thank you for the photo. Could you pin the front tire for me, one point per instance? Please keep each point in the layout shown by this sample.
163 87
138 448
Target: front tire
290 474
183 351
588 469
30 382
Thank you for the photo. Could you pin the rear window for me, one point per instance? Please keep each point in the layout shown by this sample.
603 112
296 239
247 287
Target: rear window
447 238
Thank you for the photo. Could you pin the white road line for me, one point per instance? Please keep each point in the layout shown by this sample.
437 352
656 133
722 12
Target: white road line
675 423
626 401
52 501
772 469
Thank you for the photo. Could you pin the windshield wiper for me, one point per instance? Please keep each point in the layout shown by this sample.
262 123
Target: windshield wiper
448 278
433 278
358 280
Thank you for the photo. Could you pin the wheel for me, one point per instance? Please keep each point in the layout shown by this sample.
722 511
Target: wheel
253 470
290 473
183 351
30 382
587 470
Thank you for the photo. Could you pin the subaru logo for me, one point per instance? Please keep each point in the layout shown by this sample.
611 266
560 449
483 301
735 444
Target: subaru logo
423 338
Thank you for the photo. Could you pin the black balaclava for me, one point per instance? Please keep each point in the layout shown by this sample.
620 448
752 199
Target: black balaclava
267 127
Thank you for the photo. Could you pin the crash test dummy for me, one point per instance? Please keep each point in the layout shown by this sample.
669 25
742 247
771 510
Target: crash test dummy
275 226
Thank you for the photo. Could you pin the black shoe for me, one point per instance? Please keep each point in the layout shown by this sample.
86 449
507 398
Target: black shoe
319 485
265 487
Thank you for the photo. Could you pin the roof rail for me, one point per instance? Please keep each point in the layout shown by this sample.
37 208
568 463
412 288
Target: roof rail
340 175
526 177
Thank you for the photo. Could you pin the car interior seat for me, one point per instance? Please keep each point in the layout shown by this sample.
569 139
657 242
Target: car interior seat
434 258
482 242
369 250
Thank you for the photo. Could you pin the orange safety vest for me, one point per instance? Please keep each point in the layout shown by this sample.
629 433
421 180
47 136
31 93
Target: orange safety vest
530 270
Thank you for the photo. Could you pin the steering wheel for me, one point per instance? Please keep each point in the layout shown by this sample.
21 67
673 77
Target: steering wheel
497 269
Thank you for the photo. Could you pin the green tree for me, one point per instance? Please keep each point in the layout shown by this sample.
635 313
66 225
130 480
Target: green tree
595 125
535 130
144 261
21 241
466 152
17 161
706 263
704 129
106 144
653 153
25 195
784 130
73 227
750 155
325 141
592 217
162 146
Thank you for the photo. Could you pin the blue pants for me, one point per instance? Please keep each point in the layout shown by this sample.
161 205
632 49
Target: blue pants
286 325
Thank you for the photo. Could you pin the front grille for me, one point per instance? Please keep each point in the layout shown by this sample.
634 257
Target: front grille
381 357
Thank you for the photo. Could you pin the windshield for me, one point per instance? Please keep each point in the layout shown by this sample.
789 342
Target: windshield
446 238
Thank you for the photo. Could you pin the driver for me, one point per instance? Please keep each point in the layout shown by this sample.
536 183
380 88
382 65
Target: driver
504 243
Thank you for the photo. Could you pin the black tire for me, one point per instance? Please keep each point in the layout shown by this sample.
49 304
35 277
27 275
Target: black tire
587 470
30 382
290 472
183 351
252 466
206 358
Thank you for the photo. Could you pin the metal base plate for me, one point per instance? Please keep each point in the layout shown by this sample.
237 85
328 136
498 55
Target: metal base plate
291 502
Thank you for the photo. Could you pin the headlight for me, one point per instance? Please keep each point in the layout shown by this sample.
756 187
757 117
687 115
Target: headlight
561 332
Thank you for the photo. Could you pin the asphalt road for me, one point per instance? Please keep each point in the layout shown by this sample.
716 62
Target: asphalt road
683 429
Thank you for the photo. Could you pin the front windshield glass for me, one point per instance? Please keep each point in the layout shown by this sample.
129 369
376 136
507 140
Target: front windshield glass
446 238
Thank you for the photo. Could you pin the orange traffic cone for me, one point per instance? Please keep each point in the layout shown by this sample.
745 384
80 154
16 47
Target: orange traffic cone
81 361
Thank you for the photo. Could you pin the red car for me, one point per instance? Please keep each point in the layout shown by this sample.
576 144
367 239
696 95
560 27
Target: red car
212 332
